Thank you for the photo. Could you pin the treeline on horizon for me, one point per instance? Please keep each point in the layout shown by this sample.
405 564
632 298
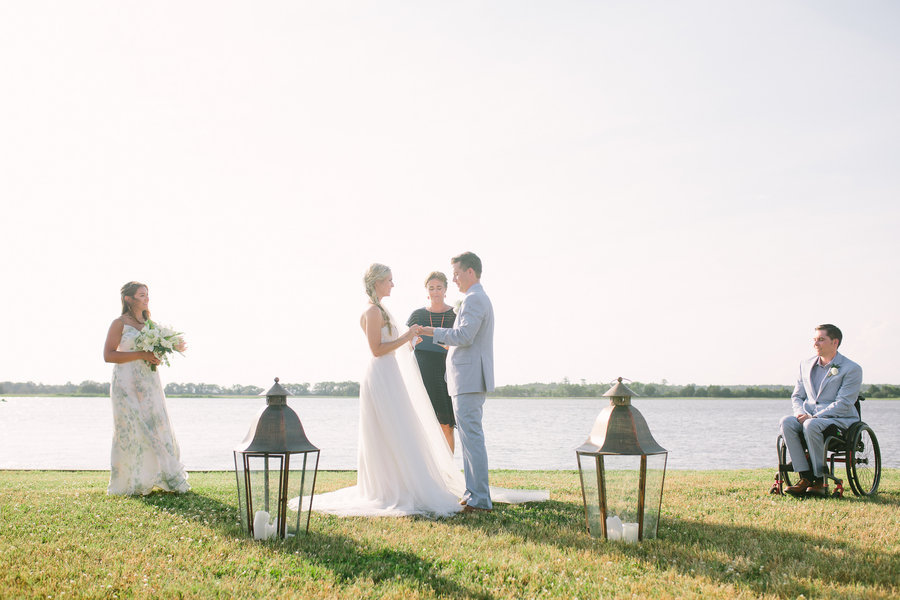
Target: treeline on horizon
350 389
567 389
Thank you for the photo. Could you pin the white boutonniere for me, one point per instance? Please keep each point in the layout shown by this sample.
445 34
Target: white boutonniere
457 307
834 370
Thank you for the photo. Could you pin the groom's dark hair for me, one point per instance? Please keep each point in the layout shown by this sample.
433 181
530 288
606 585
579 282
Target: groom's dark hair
832 332
466 261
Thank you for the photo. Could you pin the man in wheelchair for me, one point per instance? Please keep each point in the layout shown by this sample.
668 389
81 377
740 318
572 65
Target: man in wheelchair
825 395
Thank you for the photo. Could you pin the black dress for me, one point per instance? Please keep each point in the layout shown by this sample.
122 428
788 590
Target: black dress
432 360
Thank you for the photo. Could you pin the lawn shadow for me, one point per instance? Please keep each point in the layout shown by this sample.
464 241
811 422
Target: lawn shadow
728 550
349 560
346 558
817 558
196 507
754 557
887 498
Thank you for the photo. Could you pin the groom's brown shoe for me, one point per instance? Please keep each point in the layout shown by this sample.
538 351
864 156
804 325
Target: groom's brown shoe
818 489
462 502
800 488
474 509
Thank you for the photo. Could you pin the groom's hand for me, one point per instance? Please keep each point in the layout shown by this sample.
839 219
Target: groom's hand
427 331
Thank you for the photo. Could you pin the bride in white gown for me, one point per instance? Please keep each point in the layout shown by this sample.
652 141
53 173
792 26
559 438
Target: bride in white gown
405 466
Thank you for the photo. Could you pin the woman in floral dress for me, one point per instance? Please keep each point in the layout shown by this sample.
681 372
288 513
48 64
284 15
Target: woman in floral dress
145 454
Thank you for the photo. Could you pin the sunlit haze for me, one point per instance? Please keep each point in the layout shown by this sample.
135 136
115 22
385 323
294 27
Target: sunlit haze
658 190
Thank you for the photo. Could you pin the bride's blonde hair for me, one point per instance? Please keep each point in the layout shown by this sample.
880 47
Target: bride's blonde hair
375 273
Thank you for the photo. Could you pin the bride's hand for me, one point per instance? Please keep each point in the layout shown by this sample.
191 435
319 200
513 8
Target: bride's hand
414 332
151 358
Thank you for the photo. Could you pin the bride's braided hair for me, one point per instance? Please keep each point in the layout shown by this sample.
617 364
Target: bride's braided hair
130 289
375 273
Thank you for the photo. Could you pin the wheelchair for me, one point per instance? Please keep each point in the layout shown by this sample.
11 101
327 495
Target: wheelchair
856 447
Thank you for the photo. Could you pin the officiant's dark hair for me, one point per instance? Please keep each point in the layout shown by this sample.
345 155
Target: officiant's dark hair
130 289
832 332
466 261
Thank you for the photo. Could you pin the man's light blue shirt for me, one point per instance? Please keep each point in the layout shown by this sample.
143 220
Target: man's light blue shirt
819 372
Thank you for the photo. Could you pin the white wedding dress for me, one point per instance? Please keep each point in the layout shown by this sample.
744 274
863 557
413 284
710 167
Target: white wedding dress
405 466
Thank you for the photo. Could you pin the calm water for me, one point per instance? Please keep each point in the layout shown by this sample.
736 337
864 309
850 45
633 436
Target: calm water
75 433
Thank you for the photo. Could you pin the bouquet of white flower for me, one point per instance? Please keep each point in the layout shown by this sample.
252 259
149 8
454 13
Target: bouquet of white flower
159 340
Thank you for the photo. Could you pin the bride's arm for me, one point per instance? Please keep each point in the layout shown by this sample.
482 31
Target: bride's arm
373 324
111 355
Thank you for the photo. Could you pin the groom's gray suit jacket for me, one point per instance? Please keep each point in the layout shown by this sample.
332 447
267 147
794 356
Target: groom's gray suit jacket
470 368
837 394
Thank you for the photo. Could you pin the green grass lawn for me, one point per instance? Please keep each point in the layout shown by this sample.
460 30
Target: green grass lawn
721 536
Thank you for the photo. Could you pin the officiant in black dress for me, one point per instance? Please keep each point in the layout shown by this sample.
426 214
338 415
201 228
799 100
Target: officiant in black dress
432 358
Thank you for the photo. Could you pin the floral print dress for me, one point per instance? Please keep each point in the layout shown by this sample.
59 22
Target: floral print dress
145 454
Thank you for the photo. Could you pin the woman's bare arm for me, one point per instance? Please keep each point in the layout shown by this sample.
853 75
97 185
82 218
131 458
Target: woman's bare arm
372 324
112 355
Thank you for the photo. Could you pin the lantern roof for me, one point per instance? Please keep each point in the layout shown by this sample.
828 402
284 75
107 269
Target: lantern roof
276 390
621 428
619 389
276 428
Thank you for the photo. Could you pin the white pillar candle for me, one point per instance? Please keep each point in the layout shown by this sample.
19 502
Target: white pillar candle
630 532
261 528
613 528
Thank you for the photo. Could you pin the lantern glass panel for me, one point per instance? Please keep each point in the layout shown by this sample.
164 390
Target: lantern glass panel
622 475
656 470
264 471
590 466
301 484
242 490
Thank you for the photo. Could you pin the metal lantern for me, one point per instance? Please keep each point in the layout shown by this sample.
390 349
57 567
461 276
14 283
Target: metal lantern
622 472
275 464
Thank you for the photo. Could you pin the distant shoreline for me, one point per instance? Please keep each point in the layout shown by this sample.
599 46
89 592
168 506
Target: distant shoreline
248 397
551 398
351 389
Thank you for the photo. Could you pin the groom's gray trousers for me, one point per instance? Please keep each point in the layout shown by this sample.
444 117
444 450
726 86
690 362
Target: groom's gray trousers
469 409
811 430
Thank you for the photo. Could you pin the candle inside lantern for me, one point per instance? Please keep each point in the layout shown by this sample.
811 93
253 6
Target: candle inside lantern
613 528
261 528
630 532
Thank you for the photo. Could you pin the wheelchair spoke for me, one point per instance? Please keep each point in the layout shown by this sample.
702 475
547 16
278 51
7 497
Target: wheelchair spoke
864 461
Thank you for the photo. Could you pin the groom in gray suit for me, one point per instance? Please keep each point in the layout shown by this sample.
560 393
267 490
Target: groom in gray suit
470 374
825 394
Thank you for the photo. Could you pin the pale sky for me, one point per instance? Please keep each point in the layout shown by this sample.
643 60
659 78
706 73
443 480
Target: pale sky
658 190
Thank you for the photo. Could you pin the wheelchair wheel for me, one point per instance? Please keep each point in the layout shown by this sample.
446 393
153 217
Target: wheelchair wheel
783 461
863 461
